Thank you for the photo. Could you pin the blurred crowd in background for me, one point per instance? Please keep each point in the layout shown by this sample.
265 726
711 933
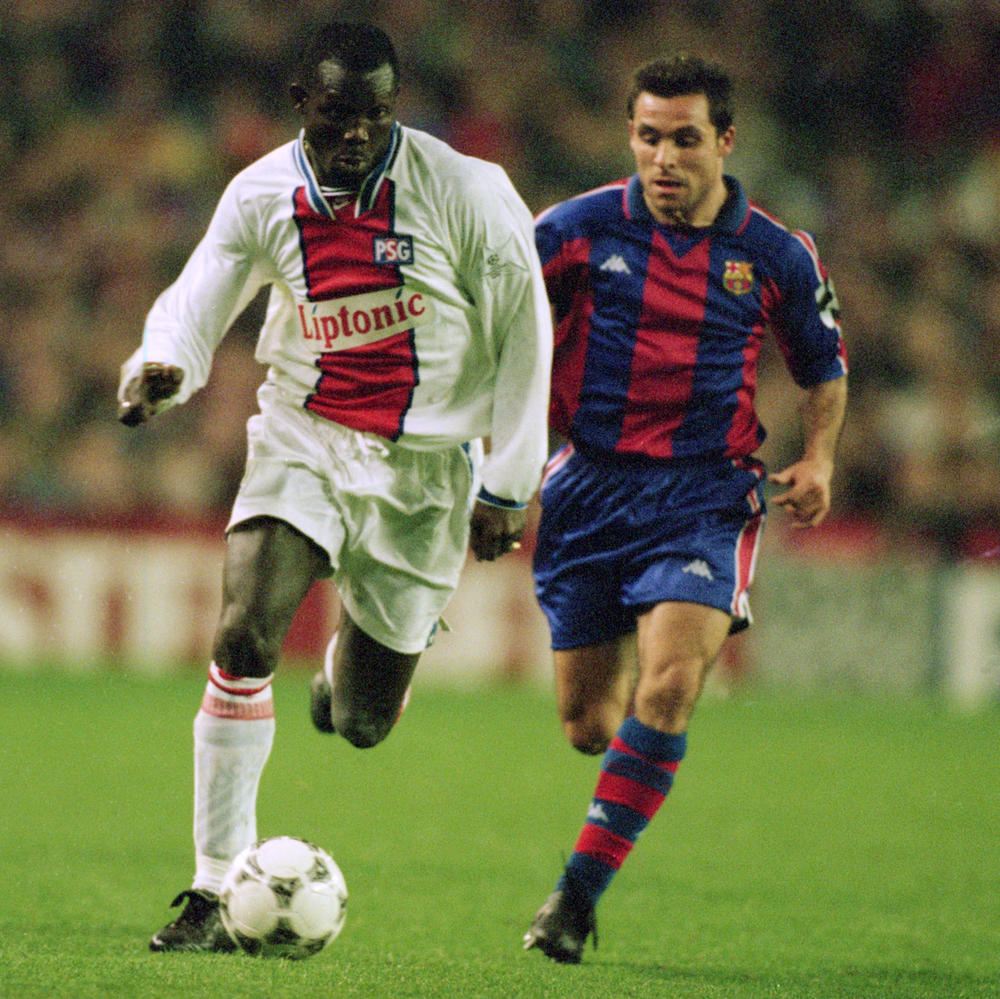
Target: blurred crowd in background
873 124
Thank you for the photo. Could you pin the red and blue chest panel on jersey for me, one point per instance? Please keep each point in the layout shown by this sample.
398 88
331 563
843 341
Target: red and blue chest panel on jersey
350 252
659 329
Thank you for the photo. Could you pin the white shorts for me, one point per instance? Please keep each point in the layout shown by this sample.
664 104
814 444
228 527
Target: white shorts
393 520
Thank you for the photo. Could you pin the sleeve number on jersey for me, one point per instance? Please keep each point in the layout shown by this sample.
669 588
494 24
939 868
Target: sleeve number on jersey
829 306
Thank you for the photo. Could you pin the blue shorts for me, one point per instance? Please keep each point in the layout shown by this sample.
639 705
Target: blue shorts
615 538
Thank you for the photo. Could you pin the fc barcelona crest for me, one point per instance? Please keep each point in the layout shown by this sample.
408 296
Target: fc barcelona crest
738 276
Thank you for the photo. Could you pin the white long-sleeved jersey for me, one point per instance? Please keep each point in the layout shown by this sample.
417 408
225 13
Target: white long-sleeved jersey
418 312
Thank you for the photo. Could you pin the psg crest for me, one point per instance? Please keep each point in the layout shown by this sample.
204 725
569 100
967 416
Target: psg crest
738 276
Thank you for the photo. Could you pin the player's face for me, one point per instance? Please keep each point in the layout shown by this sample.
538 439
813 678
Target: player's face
679 156
348 118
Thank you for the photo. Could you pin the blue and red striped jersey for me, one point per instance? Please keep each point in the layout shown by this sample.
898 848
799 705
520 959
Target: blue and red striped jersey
659 329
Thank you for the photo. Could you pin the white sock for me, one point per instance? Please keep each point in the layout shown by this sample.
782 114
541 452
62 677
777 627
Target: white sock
233 733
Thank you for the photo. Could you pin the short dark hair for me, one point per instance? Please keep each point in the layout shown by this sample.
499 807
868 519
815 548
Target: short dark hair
685 73
360 47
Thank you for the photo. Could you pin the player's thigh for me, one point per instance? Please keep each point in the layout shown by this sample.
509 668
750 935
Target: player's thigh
593 690
269 567
368 675
680 631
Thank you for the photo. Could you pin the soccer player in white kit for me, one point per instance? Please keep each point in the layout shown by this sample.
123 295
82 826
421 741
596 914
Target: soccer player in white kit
407 321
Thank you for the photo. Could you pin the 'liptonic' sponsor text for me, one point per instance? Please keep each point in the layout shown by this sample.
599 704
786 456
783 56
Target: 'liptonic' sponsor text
342 323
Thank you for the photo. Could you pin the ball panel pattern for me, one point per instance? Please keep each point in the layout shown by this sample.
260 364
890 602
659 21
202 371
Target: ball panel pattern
283 897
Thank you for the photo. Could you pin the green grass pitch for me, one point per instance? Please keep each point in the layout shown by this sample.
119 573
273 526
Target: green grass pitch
811 848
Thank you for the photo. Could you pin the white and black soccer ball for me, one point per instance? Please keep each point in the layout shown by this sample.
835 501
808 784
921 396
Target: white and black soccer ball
283 897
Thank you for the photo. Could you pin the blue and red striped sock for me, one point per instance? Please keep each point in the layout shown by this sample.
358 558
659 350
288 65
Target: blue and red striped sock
636 773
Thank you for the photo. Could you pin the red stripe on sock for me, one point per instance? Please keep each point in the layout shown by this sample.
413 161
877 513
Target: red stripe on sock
236 684
623 747
603 845
624 791
243 710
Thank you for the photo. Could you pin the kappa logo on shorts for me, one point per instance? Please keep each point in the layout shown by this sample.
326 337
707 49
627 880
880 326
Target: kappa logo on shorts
699 567
392 249
616 265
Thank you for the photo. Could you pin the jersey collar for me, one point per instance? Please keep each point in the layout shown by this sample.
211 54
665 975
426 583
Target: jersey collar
731 219
367 194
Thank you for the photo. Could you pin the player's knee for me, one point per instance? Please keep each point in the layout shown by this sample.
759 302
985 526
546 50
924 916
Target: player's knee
590 726
243 648
361 728
590 735
669 693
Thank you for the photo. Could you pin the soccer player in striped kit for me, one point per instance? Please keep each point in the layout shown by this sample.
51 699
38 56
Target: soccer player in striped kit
407 320
663 287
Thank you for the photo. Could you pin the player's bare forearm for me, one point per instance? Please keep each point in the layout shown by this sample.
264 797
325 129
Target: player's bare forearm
143 394
495 530
807 496
822 415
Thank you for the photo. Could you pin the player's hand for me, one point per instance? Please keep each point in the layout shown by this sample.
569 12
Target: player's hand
495 530
807 498
144 392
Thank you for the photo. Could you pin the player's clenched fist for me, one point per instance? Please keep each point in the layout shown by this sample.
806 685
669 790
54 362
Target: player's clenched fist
143 394
495 530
